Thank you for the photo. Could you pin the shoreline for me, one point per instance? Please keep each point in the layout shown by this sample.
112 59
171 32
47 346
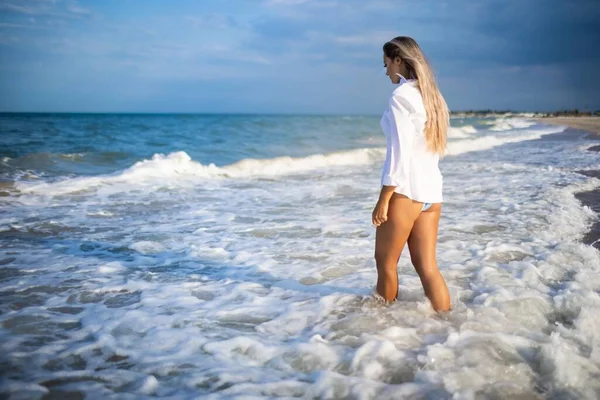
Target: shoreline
592 200
590 125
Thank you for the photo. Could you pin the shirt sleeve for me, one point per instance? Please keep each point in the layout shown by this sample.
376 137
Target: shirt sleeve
400 140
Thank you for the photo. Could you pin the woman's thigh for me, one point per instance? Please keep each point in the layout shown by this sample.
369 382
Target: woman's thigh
423 239
392 235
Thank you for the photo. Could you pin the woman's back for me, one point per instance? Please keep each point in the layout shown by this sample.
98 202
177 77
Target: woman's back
410 164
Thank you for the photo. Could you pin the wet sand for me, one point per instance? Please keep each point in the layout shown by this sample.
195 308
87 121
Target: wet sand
588 124
592 197
592 200
591 126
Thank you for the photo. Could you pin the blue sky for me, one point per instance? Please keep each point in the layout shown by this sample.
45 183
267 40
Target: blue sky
291 56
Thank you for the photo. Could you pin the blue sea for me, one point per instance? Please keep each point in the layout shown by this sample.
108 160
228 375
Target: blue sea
231 256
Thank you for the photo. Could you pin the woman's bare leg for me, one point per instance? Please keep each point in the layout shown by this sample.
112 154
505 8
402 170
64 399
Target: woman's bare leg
390 239
422 246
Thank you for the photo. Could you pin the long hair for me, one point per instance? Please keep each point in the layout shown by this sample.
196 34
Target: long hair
435 106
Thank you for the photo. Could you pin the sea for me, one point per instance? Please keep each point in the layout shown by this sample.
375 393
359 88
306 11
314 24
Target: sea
231 257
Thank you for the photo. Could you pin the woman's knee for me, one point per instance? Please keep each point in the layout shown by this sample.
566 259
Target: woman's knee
385 261
428 273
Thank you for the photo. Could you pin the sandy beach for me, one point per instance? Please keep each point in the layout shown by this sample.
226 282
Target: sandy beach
590 124
588 198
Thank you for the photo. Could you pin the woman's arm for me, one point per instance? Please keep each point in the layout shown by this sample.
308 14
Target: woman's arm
396 169
381 209
400 141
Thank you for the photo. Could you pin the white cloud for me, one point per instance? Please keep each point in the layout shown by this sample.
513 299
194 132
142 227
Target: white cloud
372 38
8 39
213 20
21 26
295 5
286 2
49 8
75 9
17 8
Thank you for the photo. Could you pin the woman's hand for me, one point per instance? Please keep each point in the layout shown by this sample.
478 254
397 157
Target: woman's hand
380 212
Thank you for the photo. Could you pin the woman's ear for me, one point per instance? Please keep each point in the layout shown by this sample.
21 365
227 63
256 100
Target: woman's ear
398 61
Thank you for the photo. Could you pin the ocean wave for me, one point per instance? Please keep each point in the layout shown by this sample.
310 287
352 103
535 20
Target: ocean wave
461 132
179 166
508 124
491 141
180 163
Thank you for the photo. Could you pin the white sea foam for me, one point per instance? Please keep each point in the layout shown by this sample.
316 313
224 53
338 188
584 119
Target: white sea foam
178 167
249 287
461 132
490 141
507 124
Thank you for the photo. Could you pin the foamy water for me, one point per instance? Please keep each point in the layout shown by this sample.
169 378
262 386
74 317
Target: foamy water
176 278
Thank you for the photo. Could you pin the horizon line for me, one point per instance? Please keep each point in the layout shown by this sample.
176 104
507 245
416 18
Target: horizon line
475 111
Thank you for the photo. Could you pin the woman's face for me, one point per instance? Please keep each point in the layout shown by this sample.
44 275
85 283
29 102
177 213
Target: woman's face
392 68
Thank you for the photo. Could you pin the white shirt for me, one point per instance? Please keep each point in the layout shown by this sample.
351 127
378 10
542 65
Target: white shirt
409 164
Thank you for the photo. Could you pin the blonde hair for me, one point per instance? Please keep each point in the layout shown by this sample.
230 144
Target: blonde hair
418 68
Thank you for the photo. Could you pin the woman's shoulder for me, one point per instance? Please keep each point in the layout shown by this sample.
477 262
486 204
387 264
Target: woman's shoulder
408 96
407 90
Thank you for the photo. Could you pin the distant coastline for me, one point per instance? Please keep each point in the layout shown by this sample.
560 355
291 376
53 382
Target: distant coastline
590 124
453 114
456 114
574 119
508 113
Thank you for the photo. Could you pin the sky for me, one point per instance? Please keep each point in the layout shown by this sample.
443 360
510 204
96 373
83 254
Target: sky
292 56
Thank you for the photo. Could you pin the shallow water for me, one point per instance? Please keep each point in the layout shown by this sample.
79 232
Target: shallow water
164 275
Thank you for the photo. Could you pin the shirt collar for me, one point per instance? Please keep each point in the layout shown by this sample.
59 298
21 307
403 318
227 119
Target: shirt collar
404 80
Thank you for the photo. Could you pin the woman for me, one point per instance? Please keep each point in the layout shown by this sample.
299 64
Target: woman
410 202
